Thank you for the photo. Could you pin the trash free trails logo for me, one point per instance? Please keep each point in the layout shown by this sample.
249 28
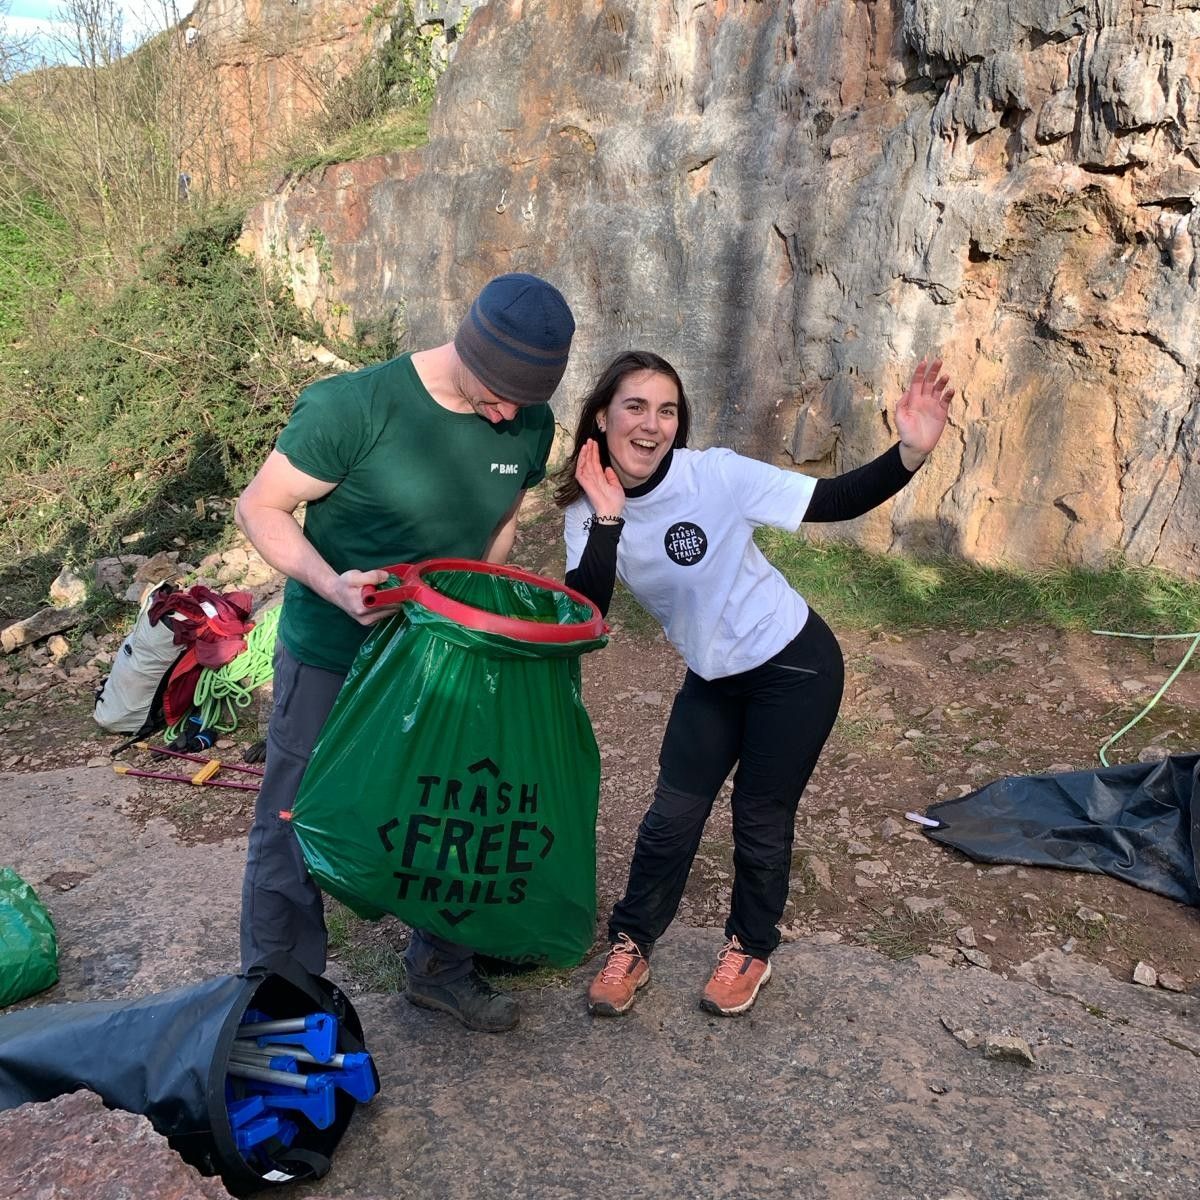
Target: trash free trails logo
452 850
686 544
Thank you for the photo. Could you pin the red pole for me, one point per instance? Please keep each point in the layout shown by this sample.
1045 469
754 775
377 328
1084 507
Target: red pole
225 766
122 769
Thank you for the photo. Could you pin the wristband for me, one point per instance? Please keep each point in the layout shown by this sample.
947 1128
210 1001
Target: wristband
608 519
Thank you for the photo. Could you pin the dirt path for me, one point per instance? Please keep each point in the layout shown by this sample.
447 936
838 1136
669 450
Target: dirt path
854 1078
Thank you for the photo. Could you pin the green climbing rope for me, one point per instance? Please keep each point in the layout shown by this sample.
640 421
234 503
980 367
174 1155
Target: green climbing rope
220 693
1161 691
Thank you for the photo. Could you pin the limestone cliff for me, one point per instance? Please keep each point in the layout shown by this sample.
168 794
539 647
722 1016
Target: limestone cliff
795 201
261 69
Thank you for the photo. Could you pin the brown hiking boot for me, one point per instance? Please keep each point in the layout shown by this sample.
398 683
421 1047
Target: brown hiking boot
734 985
471 1000
615 988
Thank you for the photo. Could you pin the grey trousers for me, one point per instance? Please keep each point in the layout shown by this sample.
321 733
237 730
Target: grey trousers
282 908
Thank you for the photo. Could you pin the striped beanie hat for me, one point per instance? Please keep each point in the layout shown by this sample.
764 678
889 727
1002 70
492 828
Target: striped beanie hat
516 337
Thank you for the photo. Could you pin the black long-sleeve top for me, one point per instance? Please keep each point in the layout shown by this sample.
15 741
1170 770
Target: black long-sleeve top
841 498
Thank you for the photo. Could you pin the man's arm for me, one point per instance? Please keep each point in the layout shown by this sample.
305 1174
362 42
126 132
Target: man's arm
265 513
500 544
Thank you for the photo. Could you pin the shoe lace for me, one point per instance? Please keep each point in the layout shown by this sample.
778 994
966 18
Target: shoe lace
730 962
621 956
480 986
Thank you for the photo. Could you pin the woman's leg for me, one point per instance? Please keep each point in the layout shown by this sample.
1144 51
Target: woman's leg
700 746
791 704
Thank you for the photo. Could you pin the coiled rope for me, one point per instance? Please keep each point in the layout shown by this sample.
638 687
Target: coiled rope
1161 691
221 692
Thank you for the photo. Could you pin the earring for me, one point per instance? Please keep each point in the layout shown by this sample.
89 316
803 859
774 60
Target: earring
599 427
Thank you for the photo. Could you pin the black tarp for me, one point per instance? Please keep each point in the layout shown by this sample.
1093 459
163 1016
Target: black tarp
1139 823
166 1056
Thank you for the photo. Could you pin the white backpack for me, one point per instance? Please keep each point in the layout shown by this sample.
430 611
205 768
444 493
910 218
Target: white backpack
128 699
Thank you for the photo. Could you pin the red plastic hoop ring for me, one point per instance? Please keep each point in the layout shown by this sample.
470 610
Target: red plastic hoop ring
412 587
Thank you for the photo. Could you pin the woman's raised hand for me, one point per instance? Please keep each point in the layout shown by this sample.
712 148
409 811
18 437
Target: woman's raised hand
600 484
921 412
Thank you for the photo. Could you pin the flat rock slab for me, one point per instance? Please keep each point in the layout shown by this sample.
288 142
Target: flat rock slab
73 1148
847 1081
140 913
843 1082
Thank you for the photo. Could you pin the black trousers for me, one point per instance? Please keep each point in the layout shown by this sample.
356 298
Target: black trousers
772 722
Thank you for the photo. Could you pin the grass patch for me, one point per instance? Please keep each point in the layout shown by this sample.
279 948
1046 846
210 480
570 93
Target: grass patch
629 615
365 951
985 666
375 968
1173 727
340 924
399 130
1121 937
1093 934
855 589
373 963
858 731
803 879
928 755
899 934
27 267
509 977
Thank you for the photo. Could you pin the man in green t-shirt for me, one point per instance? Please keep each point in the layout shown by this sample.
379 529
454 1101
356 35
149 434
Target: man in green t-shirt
428 455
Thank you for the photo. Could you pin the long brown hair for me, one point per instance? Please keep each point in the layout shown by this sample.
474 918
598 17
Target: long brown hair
598 399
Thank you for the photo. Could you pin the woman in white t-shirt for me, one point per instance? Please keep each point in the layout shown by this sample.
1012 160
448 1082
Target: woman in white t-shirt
765 673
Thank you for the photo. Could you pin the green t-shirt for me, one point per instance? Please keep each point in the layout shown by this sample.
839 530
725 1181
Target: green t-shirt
413 481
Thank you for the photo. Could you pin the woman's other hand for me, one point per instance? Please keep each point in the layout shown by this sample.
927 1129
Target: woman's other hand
921 412
600 484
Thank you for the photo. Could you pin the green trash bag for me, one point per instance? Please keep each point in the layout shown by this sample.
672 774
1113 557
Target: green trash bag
28 948
456 781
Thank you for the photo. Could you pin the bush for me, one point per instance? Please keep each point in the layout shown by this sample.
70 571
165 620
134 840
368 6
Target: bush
380 106
123 412
28 270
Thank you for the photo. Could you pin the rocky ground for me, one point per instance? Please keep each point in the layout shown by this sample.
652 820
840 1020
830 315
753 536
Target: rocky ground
855 1077
927 715
934 1030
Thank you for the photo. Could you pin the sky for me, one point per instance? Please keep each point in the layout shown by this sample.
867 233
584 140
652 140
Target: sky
36 18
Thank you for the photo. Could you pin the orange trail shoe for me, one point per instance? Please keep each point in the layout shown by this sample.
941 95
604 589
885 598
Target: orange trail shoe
615 988
734 985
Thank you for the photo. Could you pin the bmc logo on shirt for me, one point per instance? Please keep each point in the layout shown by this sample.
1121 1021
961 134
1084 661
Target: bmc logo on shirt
686 544
504 468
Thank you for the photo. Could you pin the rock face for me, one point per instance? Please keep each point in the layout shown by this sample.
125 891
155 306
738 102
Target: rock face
796 201
260 68
74 1146
264 67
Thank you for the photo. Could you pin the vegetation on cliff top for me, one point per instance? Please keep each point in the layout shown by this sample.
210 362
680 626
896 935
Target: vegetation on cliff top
380 106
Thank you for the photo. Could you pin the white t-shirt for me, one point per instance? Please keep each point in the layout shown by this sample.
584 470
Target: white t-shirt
687 554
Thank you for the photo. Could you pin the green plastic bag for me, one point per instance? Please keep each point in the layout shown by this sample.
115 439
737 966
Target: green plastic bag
456 781
28 948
